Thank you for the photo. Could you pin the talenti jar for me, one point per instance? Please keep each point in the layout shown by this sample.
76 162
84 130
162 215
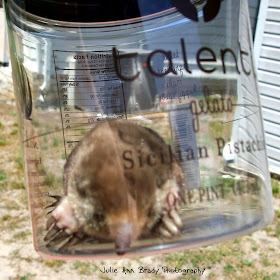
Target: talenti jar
140 122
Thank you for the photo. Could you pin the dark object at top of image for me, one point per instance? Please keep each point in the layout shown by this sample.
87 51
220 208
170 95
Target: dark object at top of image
92 11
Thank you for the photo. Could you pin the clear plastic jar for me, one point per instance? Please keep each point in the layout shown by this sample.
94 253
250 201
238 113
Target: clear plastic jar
185 72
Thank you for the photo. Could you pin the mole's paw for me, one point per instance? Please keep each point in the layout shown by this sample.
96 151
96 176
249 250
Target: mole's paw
171 220
54 204
65 218
62 225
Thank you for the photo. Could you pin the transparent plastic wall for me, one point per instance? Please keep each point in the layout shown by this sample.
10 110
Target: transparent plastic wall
187 74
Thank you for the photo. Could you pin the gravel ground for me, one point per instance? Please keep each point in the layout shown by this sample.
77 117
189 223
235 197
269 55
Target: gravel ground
6 85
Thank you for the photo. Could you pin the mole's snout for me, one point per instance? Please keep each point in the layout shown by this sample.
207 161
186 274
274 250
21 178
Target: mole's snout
123 238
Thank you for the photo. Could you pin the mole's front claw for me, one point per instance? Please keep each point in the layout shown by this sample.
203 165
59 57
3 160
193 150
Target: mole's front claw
171 221
54 204
176 219
73 240
52 232
63 240
57 238
51 221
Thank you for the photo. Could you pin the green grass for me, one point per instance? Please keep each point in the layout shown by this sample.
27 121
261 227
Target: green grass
217 129
12 113
3 175
245 263
229 269
275 184
55 142
3 141
22 235
17 186
255 248
265 260
104 277
49 180
11 224
6 218
84 268
274 228
28 276
54 264
18 160
14 132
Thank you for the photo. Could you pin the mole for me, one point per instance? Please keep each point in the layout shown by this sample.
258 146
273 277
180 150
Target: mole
106 200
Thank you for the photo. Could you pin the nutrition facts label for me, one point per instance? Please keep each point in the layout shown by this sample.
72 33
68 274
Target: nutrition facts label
89 92
184 143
